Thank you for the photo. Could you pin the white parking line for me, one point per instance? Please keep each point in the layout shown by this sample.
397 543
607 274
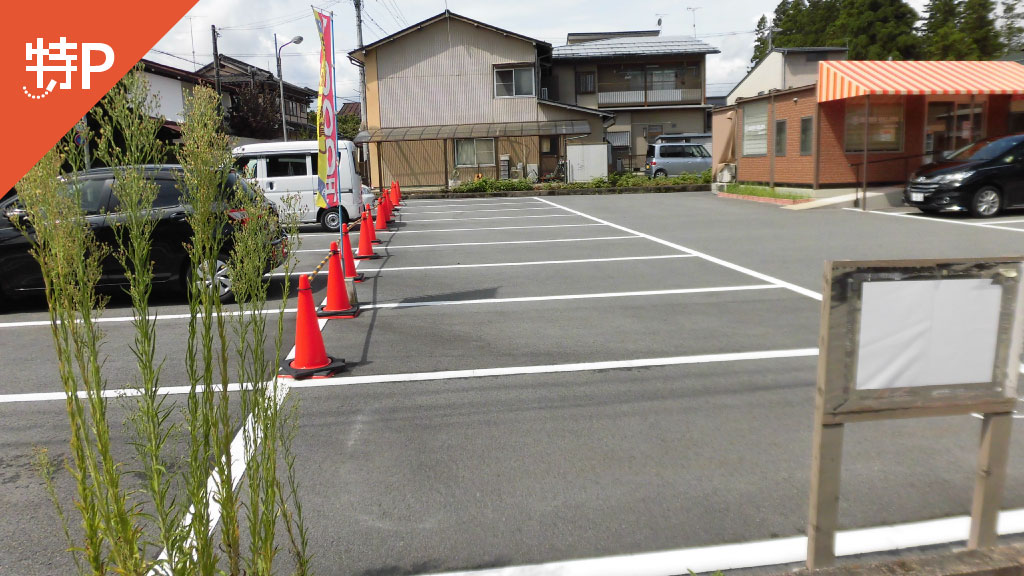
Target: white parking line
457 374
513 242
709 258
532 263
417 220
404 232
120 319
488 210
462 202
919 218
572 296
761 552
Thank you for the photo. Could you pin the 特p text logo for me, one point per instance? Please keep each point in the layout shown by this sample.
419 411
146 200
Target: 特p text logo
57 57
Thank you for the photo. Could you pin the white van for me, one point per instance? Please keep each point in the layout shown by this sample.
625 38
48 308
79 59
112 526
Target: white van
290 168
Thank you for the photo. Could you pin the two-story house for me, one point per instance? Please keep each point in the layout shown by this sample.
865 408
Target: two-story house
450 98
236 74
653 84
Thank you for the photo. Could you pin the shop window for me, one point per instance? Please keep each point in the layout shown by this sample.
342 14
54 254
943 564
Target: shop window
806 135
755 129
780 137
885 128
474 152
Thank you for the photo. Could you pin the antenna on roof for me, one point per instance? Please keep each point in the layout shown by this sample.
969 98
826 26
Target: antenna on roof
693 11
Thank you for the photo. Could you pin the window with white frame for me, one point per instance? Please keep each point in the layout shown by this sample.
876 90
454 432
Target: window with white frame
755 129
513 82
474 152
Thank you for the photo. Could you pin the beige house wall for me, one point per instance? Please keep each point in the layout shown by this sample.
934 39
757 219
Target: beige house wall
444 74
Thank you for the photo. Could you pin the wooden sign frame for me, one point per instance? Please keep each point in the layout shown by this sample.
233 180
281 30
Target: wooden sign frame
839 401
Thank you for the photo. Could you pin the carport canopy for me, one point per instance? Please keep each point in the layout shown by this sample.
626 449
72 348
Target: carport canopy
839 79
497 130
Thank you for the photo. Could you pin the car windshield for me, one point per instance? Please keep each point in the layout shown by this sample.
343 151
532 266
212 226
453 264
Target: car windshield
650 151
983 150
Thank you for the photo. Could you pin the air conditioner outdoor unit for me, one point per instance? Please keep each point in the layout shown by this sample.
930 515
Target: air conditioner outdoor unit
543 93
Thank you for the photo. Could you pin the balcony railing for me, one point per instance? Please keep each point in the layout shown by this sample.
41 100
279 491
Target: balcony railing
649 97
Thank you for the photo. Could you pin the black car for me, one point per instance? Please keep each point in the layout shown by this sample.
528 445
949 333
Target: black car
20 273
984 178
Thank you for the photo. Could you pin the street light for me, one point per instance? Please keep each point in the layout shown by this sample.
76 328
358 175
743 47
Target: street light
280 80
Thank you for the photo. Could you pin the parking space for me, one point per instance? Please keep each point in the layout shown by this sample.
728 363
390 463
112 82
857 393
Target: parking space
538 380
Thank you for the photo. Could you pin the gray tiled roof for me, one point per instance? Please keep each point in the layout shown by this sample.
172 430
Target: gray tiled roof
636 46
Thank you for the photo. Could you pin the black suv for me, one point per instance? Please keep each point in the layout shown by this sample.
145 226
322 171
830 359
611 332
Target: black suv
983 178
20 273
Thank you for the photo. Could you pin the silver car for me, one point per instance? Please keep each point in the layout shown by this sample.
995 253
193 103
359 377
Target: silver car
676 158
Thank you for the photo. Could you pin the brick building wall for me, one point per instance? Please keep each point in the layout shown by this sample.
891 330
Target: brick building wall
793 168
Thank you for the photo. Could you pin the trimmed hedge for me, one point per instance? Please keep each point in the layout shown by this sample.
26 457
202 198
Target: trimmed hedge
614 180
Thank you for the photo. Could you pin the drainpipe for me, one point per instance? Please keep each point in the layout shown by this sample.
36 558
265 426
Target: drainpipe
771 157
864 166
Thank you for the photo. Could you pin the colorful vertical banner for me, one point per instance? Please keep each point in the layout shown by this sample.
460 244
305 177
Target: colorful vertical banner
326 118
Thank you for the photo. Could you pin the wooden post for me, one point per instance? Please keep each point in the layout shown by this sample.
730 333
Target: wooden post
444 147
826 465
991 477
864 167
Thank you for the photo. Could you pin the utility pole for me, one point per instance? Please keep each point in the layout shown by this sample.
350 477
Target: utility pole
362 82
216 59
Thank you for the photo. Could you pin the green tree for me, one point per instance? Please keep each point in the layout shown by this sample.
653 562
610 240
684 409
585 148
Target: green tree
941 38
1011 25
977 22
760 41
348 126
789 24
877 29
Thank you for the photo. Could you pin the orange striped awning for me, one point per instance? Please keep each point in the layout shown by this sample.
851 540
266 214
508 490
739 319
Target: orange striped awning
838 79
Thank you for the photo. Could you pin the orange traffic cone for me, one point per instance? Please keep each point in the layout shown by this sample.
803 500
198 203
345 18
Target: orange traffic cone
398 193
347 259
393 198
386 200
368 218
382 216
311 358
338 304
365 243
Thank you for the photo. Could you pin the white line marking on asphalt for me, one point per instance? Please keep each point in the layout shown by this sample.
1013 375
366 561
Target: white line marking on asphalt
459 374
404 232
761 553
119 319
709 258
918 218
466 202
572 296
533 263
418 220
390 247
515 242
488 210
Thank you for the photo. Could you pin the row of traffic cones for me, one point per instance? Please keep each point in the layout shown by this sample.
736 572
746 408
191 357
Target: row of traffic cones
311 358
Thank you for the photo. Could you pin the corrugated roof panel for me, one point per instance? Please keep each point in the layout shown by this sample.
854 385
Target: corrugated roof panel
637 46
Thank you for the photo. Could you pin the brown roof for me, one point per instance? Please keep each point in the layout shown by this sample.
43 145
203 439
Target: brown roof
349 108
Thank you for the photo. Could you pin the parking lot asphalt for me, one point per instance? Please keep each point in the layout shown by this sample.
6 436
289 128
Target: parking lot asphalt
548 380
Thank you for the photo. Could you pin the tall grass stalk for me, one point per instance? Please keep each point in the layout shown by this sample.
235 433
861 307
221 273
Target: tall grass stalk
185 491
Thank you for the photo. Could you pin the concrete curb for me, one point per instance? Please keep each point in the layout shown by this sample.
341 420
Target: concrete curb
1001 561
557 192
765 199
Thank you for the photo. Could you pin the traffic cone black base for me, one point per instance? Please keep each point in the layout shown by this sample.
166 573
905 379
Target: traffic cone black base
334 366
370 257
350 313
359 277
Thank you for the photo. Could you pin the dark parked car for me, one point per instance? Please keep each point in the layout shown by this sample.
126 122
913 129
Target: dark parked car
20 273
984 178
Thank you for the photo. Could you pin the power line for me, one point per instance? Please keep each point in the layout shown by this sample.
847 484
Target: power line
276 21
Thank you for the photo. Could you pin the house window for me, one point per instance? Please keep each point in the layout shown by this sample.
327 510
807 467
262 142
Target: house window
474 152
806 135
780 137
885 128
513 82
549 145
585 83
755 129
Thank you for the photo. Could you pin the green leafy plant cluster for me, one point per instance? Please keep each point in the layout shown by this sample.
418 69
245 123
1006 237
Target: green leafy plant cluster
762 192
633 180
156 510
492 185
